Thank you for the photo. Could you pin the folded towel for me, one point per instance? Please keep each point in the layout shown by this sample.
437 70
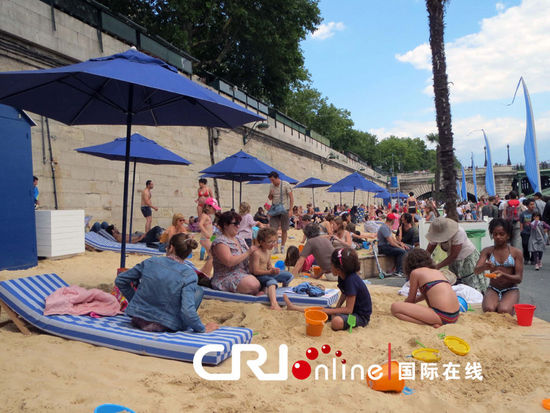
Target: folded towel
75 300
307 288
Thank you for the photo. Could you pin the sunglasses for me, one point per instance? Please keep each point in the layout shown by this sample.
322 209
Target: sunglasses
234 223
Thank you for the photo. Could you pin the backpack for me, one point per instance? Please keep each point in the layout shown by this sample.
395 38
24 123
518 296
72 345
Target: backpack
512 210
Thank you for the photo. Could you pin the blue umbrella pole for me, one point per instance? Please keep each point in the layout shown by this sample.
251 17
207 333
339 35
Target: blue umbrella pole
313 194
126 173
340 198
233 194
132 203
353 198
240 193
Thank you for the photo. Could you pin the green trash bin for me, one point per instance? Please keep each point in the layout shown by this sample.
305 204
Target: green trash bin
475 236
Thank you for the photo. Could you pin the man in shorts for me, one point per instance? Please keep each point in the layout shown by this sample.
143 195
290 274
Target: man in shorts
146 205
277 189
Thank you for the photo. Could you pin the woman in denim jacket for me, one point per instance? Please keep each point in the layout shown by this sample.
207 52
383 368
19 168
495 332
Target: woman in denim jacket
167 295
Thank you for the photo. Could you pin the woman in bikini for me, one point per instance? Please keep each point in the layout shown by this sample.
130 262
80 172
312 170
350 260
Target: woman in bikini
434 287
411 204
204 192
505 264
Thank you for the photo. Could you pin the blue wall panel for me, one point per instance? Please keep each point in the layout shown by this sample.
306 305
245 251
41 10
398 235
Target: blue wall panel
17 222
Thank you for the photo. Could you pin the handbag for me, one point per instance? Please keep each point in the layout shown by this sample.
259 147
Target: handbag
277 209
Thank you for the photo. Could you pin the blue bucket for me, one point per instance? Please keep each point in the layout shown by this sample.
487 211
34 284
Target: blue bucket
463 304
280 265
112 408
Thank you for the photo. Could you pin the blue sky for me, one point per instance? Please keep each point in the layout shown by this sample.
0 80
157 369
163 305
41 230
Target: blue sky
373 59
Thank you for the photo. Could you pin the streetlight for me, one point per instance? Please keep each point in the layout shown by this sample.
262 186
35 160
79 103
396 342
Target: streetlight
257 125
508 161
331 155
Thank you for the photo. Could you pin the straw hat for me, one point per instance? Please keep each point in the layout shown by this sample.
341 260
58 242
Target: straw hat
442 230
449 275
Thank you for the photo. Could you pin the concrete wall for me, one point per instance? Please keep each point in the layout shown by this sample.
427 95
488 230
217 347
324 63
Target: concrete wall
28 41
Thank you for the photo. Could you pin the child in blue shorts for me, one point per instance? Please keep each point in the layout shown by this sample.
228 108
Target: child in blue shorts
260 266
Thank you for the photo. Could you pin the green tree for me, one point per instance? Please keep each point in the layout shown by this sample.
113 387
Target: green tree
254 44
436 11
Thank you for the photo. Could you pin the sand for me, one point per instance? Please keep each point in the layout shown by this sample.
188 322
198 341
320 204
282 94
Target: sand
47 373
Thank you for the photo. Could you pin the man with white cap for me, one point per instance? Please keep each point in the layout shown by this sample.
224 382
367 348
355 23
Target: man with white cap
462 255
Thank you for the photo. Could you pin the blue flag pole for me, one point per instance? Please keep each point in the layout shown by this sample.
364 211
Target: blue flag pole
489 173
474 176
530 144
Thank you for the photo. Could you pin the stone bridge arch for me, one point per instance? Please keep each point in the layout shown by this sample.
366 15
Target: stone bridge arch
424 191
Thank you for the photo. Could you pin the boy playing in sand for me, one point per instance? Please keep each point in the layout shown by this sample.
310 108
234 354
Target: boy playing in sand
260 266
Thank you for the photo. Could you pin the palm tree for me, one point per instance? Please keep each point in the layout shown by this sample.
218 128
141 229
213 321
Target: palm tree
434 138
436 11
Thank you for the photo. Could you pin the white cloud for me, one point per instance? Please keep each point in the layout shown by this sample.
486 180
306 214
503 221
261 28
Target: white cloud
326 31
468 137
500 7
488 64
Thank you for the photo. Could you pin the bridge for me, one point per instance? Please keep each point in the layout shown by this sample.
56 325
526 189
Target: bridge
422 183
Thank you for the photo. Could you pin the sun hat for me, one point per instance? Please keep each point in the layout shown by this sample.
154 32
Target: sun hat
449 275
442 230
213 203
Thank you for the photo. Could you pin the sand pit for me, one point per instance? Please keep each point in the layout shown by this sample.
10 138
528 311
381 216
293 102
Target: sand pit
46 373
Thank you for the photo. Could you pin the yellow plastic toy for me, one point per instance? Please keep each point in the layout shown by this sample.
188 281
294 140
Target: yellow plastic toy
429 355
457 345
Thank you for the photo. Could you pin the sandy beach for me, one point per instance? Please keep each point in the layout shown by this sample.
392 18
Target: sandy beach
47 373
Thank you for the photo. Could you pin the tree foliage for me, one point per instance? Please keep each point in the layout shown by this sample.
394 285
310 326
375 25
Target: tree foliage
254 44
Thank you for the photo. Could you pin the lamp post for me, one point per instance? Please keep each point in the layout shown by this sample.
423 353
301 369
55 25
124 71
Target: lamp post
257 125
331 155
485 149
508 161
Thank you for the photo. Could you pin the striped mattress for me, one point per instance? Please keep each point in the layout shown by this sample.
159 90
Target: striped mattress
330 297
103 244
26 296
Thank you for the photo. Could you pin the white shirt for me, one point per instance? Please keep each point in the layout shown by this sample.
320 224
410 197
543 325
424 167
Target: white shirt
460 238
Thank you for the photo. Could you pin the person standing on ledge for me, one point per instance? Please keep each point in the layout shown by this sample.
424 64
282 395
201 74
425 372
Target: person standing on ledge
146 205
282 201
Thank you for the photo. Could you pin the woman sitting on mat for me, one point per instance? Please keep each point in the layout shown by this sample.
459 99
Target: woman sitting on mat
434 287
167 295
505 263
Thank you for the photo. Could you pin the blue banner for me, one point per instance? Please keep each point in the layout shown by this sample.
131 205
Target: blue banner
474 176
530 144
489 173
464 193
459 196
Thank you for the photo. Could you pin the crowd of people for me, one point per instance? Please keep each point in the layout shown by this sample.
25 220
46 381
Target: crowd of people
238 250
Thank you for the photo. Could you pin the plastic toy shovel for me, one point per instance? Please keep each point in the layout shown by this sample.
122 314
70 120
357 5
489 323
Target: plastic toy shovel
351 321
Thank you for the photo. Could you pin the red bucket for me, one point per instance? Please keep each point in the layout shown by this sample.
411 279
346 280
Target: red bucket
524 313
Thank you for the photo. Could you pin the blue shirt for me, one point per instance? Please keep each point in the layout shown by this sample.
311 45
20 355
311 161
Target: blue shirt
36 192
167 293
353 285
525 218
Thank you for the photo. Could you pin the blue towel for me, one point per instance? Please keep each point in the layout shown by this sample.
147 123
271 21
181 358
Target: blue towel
307 288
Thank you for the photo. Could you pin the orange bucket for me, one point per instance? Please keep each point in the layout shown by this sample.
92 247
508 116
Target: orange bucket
316 270
315 321
524 313
313 308
385 383
300 247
